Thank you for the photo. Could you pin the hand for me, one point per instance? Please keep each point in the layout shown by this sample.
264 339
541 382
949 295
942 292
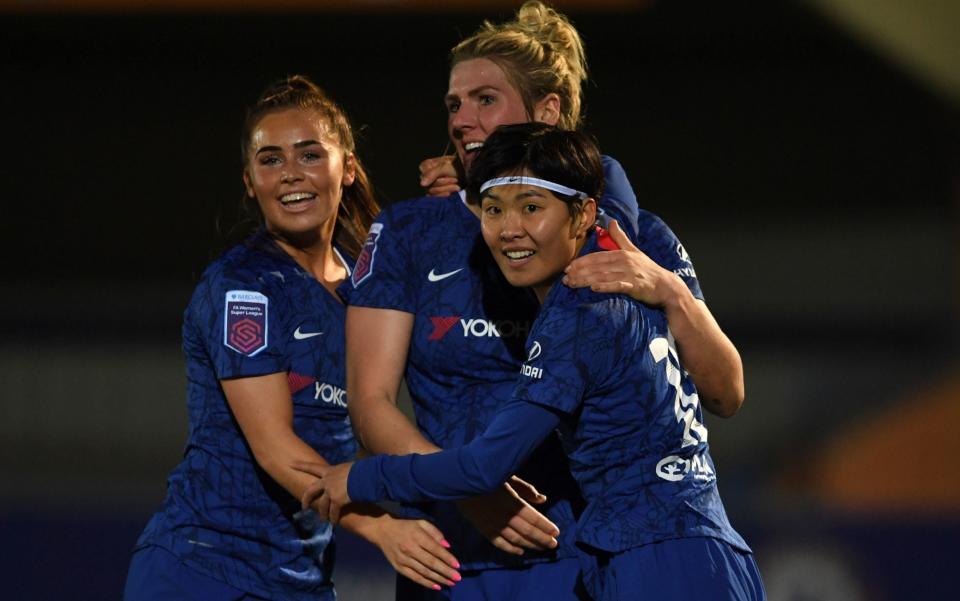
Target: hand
328 495
417 550
440 175
627 271
506 518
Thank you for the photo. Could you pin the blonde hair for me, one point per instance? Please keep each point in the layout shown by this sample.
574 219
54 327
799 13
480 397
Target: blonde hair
540 52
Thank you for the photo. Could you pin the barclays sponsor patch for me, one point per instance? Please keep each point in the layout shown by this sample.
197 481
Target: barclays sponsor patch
245 322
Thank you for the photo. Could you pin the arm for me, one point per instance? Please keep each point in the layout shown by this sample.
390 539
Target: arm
264 410
707 354
377 343
478 467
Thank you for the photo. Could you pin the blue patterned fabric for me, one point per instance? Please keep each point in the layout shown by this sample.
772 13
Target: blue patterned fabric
427 257
255 312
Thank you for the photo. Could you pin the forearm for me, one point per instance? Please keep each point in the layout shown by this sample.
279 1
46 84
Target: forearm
377 343
705 351
381 428
476 468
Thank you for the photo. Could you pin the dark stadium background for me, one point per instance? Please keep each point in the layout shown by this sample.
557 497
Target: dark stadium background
807 159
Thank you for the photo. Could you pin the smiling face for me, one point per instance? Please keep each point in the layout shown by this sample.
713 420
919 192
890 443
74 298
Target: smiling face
296 170
479 99
532 234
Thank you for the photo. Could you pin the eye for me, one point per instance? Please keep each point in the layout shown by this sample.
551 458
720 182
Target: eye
491 210
453 106
530 208
311 156
269 160
486 99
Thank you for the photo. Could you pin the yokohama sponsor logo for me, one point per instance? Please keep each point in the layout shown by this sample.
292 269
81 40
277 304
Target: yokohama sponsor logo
478 328
442 325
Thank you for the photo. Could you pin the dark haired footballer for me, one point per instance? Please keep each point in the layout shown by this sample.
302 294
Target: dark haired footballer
602 370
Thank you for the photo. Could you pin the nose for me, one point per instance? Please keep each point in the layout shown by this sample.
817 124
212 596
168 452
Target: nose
511 226
464 119
290 174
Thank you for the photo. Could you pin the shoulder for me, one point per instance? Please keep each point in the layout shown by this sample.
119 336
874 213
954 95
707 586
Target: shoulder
425 208
611 166
587 309
250 266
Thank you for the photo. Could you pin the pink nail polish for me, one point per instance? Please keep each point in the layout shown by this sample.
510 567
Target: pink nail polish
444 544
436 587
456 564
457 576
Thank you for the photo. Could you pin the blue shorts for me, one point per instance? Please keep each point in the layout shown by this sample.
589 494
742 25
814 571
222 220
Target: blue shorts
705 569
554 580
158 575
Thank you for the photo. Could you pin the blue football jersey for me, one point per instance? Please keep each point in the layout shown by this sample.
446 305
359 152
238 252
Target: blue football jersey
256 312
634 434
427 257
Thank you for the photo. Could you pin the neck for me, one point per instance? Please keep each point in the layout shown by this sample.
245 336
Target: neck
543 289
314 253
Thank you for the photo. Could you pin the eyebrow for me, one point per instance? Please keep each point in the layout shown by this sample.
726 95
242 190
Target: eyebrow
534 191
300 144
473 92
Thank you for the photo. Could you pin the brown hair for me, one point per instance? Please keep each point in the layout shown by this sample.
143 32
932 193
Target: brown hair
358 207
540 52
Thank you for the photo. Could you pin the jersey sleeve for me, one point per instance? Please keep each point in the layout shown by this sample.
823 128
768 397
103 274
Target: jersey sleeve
381 276
647 231
659 243
568 350
476 468
619 201
239 323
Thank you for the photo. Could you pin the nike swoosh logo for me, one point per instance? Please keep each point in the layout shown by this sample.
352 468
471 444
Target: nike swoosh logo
436 277
304 335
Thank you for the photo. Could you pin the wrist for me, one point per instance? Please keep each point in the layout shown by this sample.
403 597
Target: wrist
672 293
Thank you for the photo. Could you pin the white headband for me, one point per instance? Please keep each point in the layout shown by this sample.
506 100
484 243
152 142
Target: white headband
532 181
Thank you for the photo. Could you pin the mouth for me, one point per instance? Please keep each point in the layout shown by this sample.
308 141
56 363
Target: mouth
294 199
471 148
517 257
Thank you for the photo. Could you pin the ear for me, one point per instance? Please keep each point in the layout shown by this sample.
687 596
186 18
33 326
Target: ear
349 169
547 109
248 184
588 217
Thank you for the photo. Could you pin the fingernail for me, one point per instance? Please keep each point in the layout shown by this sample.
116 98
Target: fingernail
456 565
436 587
444 544
457 576
450 582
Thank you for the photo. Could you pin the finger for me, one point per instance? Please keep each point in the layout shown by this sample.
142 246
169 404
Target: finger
436 556
309 467
430 163
529 522
443 167
416 577
311 494
430 567
505 545
526 491
612 287
322 506
518 540
621 238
